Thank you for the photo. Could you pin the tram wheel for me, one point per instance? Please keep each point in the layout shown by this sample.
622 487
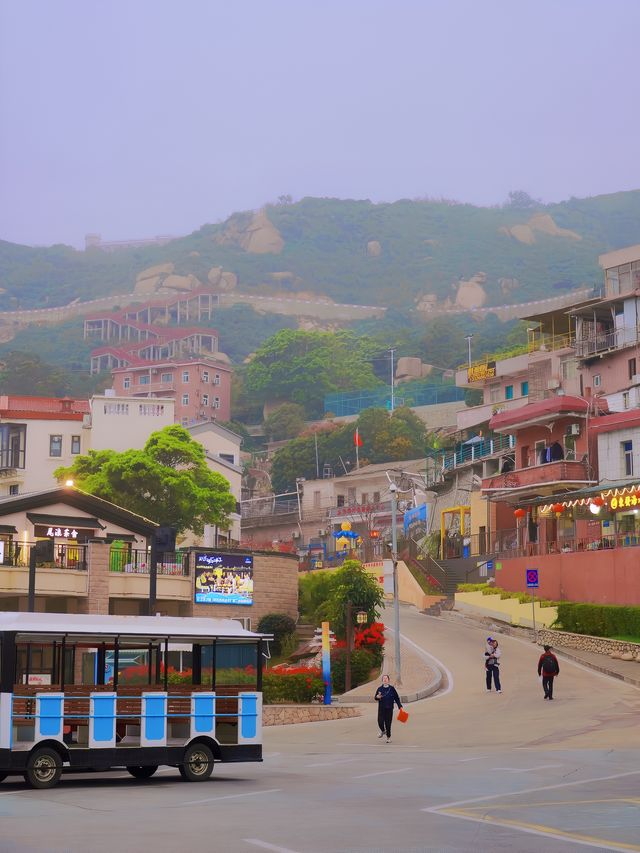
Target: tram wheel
197 763
44 768
145 772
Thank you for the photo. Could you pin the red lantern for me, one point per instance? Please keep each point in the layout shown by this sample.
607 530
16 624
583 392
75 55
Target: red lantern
598 501
558 509
519 513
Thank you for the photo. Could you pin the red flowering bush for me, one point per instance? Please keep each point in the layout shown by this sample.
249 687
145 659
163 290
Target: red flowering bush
371 638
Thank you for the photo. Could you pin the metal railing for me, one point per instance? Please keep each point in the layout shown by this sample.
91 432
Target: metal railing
65 556
513 543
137 561
611 339
447 460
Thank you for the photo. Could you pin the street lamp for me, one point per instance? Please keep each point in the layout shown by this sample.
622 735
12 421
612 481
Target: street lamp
361 618
468 340
394 558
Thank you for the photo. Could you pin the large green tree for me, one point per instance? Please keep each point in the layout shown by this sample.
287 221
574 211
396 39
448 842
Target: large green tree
303 367
167 481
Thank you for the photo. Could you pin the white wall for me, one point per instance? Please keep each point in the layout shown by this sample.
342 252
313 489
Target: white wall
125 423
610 455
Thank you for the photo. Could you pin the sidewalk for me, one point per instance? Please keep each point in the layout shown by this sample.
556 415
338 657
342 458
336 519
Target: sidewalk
625 670
419 680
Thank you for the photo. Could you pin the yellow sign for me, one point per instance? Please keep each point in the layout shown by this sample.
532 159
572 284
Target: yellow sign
480 372
625 502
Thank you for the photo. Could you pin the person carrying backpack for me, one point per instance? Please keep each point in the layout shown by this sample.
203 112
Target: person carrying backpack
548 668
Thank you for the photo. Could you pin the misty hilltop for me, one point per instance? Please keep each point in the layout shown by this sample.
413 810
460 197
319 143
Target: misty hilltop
403 254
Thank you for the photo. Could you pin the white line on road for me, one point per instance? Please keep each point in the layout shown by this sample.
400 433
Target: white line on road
432 658
230 797
334 763
526 769
266 846
463 760
382 773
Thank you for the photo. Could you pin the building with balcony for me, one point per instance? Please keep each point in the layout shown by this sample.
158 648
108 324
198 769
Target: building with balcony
38 435
200 387
97 561
162 344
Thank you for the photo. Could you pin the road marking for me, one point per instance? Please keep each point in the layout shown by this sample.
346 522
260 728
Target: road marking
266 846
382 773
527 769
333 763
463 760
229 797
555 787
432 658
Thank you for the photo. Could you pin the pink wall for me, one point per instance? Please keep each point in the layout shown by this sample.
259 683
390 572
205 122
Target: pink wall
613 371
598 577
528 436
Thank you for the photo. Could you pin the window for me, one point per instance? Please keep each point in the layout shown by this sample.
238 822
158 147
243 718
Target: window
524 389
75 444
365 498
185 421
627 457
14 490
144 380
339 500
540 448
166 377
351 496
205 375
116 408
152 409
185 375
508 392
625 400
568 368
185 399
316 499
597 380
216 378
55 445
631 364
228 457
494 393
216 403
205 399
376 497
126 383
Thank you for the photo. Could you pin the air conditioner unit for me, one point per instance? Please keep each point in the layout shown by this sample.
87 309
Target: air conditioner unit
295 534
635 379
553 384
574 429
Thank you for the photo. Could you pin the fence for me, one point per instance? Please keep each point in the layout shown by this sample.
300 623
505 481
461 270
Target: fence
355 402
446 460
136 561
65 556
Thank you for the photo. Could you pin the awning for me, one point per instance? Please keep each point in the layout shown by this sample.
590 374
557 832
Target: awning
65 521
7 528
544 411
120 537
579 494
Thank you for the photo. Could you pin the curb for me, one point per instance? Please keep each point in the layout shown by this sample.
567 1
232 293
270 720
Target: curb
428 690
603 669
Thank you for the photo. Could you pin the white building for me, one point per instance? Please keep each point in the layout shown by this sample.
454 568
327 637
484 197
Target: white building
125 423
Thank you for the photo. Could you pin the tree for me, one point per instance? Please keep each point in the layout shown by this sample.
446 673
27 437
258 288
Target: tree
286 422
303 367
352 584
167 481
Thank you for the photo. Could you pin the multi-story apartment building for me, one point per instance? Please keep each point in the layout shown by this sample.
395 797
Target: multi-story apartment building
200 387
38 435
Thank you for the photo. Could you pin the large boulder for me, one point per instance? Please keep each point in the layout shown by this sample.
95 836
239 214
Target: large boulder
154 272
180 283
374 249
471 294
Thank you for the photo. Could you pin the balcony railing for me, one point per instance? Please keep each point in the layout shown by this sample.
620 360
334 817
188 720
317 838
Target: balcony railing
462 454
611 339
564 471
65 556
137 562
513 543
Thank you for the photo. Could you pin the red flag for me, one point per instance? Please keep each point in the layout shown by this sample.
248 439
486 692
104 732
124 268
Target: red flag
356 438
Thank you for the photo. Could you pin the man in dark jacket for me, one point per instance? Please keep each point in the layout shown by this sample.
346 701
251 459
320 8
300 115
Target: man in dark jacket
548 668
386 696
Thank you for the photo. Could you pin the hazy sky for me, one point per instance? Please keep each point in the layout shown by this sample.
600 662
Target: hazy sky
133 118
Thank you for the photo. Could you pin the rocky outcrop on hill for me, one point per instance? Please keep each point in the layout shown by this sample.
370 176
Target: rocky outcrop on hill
541 222
471 294
258 235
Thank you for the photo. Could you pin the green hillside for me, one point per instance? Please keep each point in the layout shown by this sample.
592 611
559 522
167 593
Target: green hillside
425 247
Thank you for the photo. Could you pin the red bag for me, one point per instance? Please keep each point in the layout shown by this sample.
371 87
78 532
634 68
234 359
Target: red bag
402 716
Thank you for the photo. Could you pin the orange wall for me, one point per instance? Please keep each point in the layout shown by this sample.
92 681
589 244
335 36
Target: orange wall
598 577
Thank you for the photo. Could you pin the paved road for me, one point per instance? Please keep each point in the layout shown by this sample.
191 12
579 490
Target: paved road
471 771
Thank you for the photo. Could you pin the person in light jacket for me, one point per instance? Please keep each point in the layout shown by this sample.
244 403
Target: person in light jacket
492 664
386 696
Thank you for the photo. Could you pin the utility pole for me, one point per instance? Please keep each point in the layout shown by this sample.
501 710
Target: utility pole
468 340
393 373
394 558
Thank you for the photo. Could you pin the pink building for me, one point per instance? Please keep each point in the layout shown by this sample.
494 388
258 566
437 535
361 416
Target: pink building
200 386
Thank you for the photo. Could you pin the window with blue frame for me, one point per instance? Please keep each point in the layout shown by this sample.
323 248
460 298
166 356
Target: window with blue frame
524 389
508 392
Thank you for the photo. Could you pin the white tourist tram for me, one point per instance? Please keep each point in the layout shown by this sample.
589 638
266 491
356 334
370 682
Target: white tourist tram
81 692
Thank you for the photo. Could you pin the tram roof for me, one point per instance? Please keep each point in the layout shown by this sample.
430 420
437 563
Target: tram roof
54 625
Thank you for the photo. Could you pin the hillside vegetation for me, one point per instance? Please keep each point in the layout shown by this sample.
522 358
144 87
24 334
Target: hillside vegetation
356 251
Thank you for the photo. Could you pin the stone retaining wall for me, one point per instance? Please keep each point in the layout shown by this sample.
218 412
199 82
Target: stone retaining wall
600 645
282 715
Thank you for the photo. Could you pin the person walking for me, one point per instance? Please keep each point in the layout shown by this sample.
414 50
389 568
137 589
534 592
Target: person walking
492 664
548 668
386 696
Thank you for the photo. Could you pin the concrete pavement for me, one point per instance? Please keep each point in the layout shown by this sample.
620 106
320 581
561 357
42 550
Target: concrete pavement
470 771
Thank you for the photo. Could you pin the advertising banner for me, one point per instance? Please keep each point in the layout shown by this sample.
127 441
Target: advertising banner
223 578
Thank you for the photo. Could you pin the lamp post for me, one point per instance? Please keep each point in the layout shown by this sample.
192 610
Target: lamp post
361 618
468 340
394 558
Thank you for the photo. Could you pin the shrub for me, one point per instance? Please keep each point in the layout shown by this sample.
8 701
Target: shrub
599 620
371 639
293 685
278 624
362 662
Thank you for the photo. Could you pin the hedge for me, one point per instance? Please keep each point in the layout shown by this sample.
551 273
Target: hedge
362 663
599 620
